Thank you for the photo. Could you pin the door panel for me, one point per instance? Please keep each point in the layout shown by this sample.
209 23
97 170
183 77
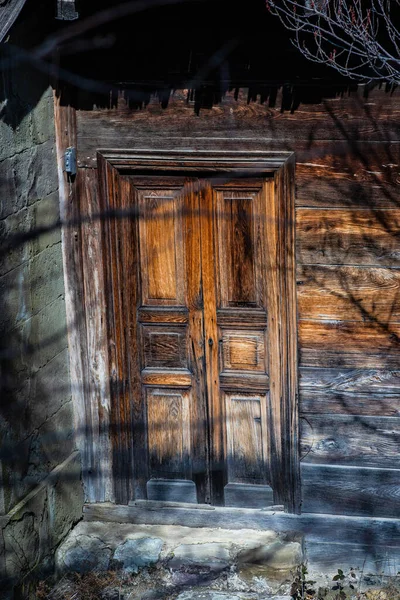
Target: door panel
168 433
170 340
161 247
247 438
240 229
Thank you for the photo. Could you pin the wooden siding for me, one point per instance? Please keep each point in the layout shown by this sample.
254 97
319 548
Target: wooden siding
348 255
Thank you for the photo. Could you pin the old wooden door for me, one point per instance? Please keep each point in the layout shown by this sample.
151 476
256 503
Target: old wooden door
196 328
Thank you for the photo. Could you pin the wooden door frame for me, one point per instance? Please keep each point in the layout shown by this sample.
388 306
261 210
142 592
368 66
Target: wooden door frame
86 304
282 313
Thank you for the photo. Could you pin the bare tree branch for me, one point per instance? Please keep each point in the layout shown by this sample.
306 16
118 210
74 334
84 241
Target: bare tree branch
358 38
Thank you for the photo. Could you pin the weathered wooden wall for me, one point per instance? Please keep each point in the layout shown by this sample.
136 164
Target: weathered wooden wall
348 257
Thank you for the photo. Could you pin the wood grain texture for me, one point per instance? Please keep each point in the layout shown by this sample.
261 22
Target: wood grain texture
168 433
342 118
365 392
349 344
238 245
120 271
348 293
243 351
181 378
216 408
282 328
247 438
354 491
326 557
65 130
330 402
363 381
348 237
161 248
200 440
98 377
350 440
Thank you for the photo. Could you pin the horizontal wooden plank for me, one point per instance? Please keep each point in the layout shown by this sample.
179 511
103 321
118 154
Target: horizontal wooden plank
328 557
336 174
350 440
328 402
244 381
342 490
163 315
315 527
166 378
328 173
342 118
246 318
348 293
348 237
362 381
349 344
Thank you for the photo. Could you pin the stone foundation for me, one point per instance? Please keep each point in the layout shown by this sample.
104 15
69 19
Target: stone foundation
32 530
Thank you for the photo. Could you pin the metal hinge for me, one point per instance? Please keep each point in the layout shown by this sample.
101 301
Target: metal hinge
70 160
66 10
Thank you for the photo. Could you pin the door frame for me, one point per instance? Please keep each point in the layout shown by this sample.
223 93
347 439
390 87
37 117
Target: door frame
97 436
282 311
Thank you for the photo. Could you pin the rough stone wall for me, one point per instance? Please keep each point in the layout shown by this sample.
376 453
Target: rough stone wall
40 492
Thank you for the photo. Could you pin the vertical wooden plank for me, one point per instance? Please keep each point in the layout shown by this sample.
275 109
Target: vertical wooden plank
135 460
65 129
271 195
216 407
291 417
282 319
97 385
121 282
196 348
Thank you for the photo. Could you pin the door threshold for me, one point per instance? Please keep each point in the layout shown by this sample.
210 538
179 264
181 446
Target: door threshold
159 504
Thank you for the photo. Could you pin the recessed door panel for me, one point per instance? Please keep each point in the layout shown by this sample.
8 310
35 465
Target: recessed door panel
168 433
247 438
161 247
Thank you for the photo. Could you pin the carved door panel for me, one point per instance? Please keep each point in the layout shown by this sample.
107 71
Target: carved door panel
172 452
198 351
237 317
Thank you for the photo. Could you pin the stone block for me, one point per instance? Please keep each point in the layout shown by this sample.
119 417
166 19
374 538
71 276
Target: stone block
15 130
43 336
46 277
28 288
134 554
53 442
36 172
15 297
278 556
26 534
15 466
42 127
50 388
210 556
82 554
46 215
65 499
8 192
17 250
216 595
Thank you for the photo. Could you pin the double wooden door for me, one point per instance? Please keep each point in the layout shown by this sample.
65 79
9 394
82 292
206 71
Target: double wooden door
194 282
